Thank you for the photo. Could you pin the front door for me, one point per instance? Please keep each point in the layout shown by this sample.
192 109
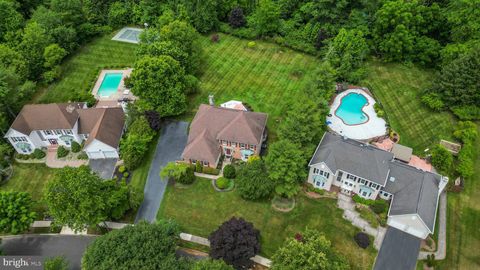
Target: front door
228 152
53 141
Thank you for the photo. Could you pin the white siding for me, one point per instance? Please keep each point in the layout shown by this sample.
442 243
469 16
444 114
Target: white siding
13 133
323 167
97 149
411 224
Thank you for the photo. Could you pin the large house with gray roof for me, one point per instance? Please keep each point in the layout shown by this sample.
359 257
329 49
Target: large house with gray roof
353 167
59 124
217 131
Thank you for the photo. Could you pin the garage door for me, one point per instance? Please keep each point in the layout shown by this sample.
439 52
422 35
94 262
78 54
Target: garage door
95 155
110 154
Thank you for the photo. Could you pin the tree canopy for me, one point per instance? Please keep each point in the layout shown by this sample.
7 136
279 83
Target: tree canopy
16 214
253 181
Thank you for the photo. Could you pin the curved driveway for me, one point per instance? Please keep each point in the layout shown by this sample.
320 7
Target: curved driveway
70 246
170 146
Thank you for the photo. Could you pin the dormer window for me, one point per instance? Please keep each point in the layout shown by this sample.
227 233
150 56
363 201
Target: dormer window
47 132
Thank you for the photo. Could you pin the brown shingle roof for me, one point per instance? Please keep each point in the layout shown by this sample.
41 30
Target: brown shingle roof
103 124
215 123
46 117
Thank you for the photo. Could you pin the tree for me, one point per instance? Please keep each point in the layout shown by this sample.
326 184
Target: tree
16 213
346 53
303 124
252 181
466 131
159 82
311 251
236 18
181 172
441 158
75 197
229 171
10 22
143 246
120 198
265 20
209 264
235 241
466 158
119 15
462 16
362 240
154 120
33 44
134 146
53 55
286 167
56 263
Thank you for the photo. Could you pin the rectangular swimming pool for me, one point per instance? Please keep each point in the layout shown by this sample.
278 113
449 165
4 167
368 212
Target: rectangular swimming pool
110 84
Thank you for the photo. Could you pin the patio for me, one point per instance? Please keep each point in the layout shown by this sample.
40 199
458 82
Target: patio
122 91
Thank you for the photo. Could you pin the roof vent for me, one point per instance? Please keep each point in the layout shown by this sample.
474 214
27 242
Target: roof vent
70 108
392 179
210 100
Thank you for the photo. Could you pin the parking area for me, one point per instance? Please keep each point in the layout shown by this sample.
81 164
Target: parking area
104 167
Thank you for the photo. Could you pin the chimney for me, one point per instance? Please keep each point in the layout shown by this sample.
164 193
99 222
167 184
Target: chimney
210 100
70 108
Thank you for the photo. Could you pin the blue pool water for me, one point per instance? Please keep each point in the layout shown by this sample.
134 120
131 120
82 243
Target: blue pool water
350 109
110 84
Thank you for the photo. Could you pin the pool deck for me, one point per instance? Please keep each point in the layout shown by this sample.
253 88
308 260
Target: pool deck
121 87
374 127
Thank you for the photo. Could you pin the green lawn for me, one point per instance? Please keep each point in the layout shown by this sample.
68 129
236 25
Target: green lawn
266 77
398 88
200 210
81 69
463 233
30 178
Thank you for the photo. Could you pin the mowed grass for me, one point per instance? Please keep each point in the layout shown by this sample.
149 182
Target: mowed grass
398 88
463 232
266 77
30 178
80 70
200 210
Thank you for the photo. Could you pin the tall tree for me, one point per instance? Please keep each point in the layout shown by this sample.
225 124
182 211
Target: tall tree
16 214
286 167
265 20
32 47
10 21
252 180
235 241
463 18
237 18
143 246
309 251
75 197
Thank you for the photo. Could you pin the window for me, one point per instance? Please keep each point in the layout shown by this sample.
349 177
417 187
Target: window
363 181
242 145
339 176
58 132
374 185
252 147
205 163
47 132
234 144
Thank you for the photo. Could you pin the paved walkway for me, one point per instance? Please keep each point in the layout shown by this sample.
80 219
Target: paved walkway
348 205
70 246
441 252
53 162
170 146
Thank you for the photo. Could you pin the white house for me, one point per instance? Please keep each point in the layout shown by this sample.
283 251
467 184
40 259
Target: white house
353 167
51 125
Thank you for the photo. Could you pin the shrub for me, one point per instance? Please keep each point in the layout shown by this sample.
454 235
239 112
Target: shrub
433 101
319 191
181 172
362 240
82 155
236 18
122 169
222 182
251 44
212 171
76 147
198 167
466 131
466 156
431 262
62 152
379 206
215 38
358 199
378 110
229 171
31 156
126 174
467 112
441 158
56 263
39 154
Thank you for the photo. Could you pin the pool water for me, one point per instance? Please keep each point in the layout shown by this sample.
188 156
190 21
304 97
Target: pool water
110 84
350 109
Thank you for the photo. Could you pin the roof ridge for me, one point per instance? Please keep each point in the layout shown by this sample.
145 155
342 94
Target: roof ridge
241 116
95 128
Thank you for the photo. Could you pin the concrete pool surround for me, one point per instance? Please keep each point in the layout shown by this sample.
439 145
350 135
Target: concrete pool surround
373 127
122 91
361 109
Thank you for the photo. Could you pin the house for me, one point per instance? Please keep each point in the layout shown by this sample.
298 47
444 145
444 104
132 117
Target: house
354 167
52 125
217 131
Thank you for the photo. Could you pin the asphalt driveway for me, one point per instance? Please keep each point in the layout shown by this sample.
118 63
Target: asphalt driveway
103 167
70 246
170 146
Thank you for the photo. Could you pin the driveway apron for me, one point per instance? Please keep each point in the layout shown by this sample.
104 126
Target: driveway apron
170 146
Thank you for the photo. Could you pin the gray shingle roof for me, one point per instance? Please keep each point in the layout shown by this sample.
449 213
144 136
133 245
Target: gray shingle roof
354 157
414 191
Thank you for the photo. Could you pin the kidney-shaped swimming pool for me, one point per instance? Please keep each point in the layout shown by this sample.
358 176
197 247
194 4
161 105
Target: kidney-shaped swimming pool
351 109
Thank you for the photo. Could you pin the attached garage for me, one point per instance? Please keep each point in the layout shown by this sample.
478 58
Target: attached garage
99 150
95 155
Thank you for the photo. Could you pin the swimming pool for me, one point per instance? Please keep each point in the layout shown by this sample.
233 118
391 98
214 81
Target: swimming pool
110 84
351 109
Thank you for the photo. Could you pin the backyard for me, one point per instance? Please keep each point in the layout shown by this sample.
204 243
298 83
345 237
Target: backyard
200 210
398 88
266 77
